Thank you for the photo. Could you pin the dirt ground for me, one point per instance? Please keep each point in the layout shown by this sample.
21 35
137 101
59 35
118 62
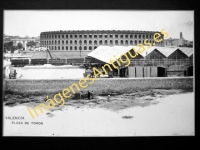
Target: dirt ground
116 101
153 112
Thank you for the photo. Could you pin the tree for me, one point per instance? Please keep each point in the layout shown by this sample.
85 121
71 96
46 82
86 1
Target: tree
9 46
31 43
19 46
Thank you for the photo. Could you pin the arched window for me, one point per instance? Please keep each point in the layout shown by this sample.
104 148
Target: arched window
66 42
95 47
139 42
62 47
135 42
90 42
59 36
58 42
95 42
66 47
70 47
121 42
80 48
100 42
85 42
75 48
111 42
58 47
135 36
143 36
62 42
90 48
62 36
106 42
147 36
70 41
126 35
139 36
52 42
55 36
55 47
131 42
116 42
75 41
80 42
126 42
85 47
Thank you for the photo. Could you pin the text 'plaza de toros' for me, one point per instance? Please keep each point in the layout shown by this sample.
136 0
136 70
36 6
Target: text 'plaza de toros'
88 40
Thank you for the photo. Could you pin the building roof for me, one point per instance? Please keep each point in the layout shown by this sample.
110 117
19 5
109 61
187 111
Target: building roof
106 53
187 50
98 32
166 51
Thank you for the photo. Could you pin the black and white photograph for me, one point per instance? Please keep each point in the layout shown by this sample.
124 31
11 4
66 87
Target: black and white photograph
98 73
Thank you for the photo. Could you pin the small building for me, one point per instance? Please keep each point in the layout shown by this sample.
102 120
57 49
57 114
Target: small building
6 68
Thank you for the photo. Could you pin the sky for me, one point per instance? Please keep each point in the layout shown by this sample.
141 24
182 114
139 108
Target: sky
32 22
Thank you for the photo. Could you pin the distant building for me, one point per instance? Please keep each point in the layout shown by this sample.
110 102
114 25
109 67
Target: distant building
178 42
6 40
88 40
37 42
23 41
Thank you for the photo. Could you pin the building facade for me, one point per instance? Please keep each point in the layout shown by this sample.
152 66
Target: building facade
23 41
181 42
91 39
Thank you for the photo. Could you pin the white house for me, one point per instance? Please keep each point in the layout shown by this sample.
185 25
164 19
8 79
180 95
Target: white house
6 68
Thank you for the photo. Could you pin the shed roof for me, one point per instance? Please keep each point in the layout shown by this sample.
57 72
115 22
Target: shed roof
106 53
166 51
187 50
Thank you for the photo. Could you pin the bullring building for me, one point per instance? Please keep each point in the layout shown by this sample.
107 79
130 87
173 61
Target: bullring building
87 40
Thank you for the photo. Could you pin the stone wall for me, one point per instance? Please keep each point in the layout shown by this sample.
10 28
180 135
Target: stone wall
102 85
